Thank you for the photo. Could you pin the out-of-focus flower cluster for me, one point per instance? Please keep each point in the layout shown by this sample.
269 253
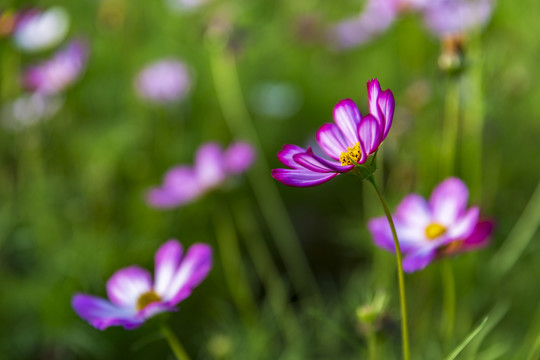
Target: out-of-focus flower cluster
164 81
183 184
34 30
443 18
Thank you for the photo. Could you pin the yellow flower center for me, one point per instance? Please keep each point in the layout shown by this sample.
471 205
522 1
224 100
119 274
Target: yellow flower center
146 299
351 156
434 230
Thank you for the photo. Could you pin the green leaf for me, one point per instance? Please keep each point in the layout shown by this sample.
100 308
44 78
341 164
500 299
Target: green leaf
467 340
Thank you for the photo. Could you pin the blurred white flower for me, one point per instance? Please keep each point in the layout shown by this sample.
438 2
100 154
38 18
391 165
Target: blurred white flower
36 30
29 109
184 5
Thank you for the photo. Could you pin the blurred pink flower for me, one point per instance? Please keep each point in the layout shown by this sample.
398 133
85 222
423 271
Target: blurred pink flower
441 17
56 74
37 30
429 230
183 184
164 81
134 297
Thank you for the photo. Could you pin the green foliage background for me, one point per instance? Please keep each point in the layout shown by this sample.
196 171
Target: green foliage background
71 188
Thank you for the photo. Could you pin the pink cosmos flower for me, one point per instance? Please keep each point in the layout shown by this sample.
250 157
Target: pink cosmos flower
164 81
348 142
428 230
441 17
183 184
133 297
56 74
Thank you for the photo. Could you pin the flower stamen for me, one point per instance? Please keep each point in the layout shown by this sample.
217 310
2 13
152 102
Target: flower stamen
146 299
434 230
351 156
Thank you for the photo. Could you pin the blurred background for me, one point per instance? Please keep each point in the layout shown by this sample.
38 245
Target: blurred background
84 134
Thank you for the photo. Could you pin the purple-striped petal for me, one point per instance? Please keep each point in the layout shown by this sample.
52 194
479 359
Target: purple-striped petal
334 165
209 167
192 270
386 105
418 260
301 177
309 162
374 90
347 118
126 285
167 259
369 133
287 153
154 309
448 201
331 140
101 314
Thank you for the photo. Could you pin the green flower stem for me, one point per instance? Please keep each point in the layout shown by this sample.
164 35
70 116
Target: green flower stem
230 98
449 297
450 127
266 270
372 345
401 278
233 268
473 118
174 343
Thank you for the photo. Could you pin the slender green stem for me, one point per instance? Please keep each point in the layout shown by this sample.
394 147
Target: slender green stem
237 118
449 297
401 278
372 345
174 343
450 128
232 263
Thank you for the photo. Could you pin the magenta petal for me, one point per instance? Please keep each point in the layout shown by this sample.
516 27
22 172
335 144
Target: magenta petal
311 163
209 167
180 186
301 177
448 201
369 133
347 118
374 89
167 259
387 105
331 140
418 260
192 270
126 285
101 314
238 157
154 309
447 18
287 153
334 165
479 236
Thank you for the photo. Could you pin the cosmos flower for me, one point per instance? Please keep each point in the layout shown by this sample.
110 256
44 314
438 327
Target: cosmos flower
56 74
441 17
183 184
429 230
133 297
36 30
28 110
164 81
348 142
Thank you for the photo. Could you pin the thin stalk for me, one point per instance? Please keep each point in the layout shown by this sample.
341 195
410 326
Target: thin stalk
401 278
266 270
237 118
450 128
174 343
232 263
473 119
449 297
372 345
